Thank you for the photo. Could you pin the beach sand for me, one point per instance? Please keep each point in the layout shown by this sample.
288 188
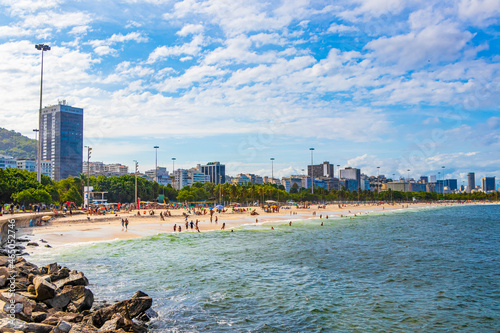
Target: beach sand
77 229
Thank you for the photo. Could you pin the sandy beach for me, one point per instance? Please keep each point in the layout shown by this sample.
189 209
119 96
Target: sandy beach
78 229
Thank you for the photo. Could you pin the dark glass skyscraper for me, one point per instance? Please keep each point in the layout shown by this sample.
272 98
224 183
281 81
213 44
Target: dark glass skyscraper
215 170
61 135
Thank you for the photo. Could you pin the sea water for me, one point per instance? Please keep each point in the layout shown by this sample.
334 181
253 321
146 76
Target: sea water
427 270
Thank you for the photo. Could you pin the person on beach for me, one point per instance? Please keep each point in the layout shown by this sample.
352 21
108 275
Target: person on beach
175 227
123 223
126 224
192 224
290 223
223 226
180 228
216 219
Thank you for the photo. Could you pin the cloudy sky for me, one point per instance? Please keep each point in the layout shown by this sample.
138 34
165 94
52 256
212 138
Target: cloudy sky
395 84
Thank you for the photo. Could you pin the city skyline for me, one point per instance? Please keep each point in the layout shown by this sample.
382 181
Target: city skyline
367 84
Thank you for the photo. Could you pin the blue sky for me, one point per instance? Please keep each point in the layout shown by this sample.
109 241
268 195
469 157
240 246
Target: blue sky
396 84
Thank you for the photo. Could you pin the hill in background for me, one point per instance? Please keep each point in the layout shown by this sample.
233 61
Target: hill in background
17 145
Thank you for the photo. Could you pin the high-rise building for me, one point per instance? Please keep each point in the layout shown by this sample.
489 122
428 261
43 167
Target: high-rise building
488 184
215 170
452 184
320 170
354 174
61 135
471 178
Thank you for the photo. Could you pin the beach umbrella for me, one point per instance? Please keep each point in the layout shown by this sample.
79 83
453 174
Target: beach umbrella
270 201
219 207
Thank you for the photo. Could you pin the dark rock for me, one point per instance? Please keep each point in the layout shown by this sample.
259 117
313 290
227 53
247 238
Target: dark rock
63 326
38 328
43 270
52 268
116 322
47 245
147 315
44 290
60 274
38 317
130 308
42 240
31 289
83 328
32 244
74 279
139 293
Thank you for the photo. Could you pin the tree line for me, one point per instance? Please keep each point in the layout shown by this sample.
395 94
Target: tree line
21 187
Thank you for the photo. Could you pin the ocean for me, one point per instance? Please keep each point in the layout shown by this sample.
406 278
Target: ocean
420 270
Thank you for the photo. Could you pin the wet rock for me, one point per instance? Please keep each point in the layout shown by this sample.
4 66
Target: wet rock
43 289
32 244
74 279
38 317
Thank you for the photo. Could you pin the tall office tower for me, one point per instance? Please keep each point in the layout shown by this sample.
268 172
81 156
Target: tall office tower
215 170
471 177
321 170
352 173
61 135
488 184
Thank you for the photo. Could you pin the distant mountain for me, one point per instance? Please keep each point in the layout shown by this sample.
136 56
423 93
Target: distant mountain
17 145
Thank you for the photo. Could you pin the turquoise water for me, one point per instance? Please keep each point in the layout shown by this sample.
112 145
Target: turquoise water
435 270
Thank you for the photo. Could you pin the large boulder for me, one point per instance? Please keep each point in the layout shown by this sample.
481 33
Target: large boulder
74 279
72 298
129 309
43 289
83 328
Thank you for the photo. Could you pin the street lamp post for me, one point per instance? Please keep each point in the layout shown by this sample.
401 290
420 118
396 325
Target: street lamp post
312 170
272 170
87 193
40 47
135 173
408 184
156 163
443 179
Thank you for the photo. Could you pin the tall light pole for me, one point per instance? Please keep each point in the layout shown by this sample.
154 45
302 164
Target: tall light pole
443 179
135 173
40 47
393 176
36 139
272 170
312 170
156 163
87 193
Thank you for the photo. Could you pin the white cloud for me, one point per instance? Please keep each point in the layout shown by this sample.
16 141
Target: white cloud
192 48
443 42
480 12
190 29
13 31
340 28
58 20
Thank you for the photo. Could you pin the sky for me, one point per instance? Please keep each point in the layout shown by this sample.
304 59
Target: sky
396 84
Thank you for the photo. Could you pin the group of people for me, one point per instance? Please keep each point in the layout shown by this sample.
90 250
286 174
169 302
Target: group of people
125 224
187 225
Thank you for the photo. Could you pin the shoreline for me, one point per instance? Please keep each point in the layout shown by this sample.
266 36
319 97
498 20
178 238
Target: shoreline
67 231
